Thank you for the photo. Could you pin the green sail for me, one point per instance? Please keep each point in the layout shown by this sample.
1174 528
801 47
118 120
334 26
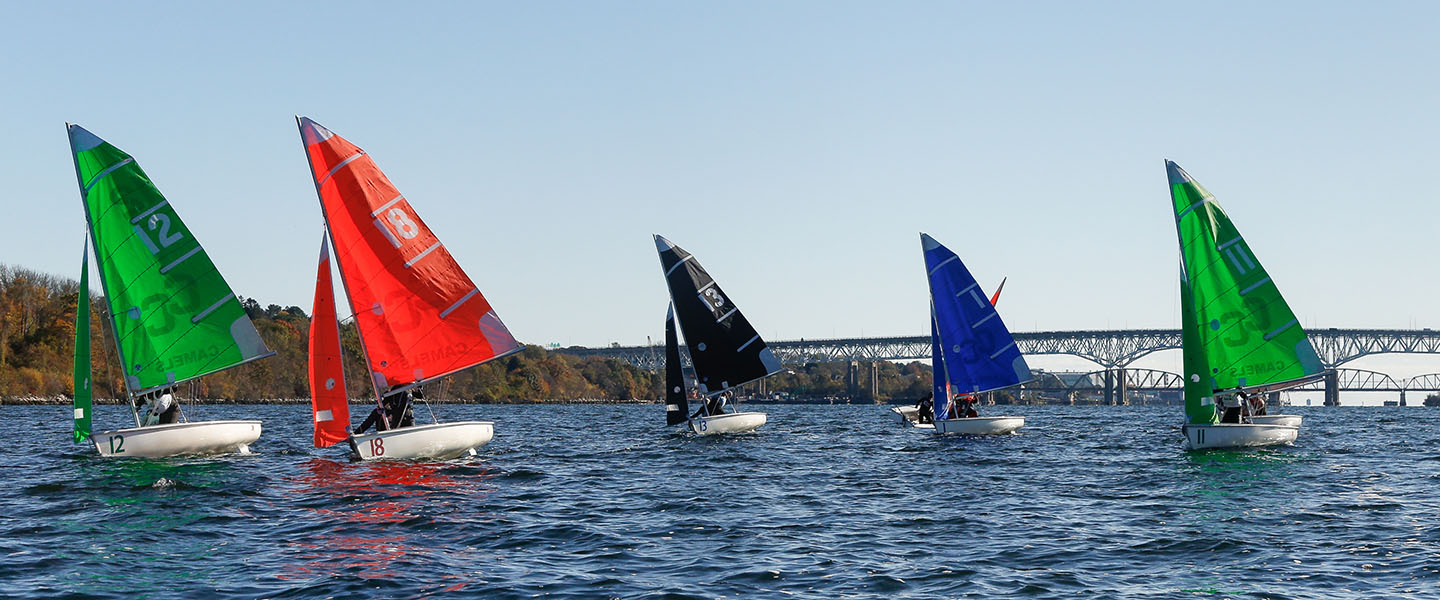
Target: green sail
82 349
1237 329
174 316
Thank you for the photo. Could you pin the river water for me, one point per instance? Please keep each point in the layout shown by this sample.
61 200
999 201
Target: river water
824 502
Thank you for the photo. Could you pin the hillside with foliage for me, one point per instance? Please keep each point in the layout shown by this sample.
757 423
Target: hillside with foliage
37 334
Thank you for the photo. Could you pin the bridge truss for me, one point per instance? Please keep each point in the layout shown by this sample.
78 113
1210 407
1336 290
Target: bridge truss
1107 348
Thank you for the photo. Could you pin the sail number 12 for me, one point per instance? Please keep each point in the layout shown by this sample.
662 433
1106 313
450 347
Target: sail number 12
159 221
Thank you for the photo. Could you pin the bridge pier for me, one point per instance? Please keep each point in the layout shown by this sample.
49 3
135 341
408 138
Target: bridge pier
1332 388
1122 388
874 380
1402 397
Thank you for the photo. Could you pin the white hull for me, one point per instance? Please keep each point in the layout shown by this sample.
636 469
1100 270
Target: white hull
979 425
440 441
1231 435
728 423
175 439
906 414
1287 420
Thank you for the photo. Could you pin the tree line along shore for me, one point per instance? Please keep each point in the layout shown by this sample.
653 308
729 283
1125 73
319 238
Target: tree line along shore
37 337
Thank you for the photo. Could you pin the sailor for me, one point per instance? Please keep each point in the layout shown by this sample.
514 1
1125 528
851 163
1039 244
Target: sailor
1231 414
389 414
1257 405
963 407
161 409
717 403
925 409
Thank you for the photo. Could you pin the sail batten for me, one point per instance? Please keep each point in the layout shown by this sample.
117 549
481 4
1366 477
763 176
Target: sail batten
1237 330
156 276
725 349
972 350
419 320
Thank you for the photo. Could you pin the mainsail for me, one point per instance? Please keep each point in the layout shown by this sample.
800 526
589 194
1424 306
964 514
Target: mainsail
1237 329
81 380
174 316
973 351
419 315
329 403
677 405
725 349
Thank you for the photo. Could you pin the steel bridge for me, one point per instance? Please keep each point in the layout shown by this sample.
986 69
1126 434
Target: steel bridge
1112 350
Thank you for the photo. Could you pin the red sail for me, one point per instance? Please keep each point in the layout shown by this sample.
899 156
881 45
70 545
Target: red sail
420 316
328 400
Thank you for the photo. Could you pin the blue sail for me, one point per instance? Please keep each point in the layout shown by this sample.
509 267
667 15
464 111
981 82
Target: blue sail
974 352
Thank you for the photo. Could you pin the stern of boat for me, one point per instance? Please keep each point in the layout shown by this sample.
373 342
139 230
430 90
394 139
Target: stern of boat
728 423
178 439
1235 435
440 441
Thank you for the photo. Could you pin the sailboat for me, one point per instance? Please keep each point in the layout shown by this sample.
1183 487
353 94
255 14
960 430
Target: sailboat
725 350
419 316
910 415
1238 334
174 318
972 352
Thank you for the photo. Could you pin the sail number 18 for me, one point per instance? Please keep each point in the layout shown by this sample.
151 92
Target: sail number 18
402 224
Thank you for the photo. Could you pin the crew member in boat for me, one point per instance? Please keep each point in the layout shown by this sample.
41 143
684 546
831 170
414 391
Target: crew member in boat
161 409
718 402
925 409
392 412
1231 414
963 407
1257 405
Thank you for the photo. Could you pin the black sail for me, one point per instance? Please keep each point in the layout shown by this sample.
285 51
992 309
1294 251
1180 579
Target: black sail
725 349
676 406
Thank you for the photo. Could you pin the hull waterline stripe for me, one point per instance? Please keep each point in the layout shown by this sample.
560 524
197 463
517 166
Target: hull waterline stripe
677 265
752 340
1282 329
141 217
337 168
982 321
462 300
166 269
1255 285
1002 350
213 307
387 205
726 315
421 255
101 175
943 263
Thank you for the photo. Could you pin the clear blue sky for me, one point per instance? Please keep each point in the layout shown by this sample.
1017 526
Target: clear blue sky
796 148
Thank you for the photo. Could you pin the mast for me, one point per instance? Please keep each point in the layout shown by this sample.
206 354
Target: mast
374 386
